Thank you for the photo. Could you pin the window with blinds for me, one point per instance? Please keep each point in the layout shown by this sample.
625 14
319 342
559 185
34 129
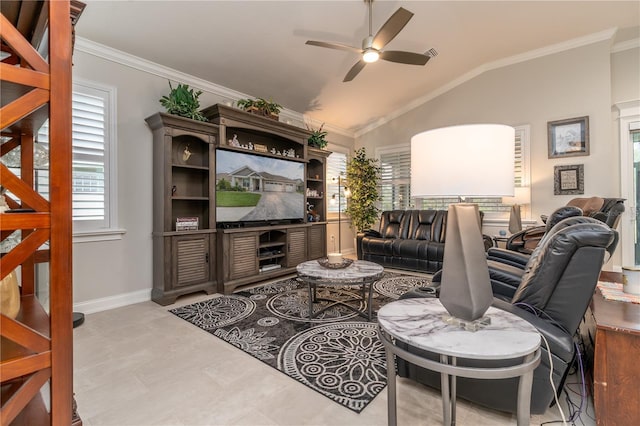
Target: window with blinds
90 177
336 166
395 184
395 178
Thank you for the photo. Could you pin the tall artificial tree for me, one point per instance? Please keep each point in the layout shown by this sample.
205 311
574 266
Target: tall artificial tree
363 176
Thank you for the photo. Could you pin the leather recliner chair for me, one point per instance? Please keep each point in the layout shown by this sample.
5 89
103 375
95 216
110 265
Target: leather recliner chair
607 210
553 295
527 240
507 267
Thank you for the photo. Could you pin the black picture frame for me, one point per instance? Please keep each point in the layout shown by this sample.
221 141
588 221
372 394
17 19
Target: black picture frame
568 180
568 138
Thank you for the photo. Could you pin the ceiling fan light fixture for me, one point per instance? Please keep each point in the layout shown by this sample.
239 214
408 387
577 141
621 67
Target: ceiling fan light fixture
370 55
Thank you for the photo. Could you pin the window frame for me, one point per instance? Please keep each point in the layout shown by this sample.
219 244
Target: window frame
107 228
329 183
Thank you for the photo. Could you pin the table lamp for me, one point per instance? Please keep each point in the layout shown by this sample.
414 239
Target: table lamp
522 196
468 160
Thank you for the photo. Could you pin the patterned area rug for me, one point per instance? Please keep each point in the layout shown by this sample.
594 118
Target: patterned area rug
338 354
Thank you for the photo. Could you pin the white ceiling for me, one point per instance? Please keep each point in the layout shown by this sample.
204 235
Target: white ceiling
258 47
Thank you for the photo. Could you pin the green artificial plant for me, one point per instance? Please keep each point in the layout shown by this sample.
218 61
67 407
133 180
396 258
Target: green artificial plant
262 105
363 176
317 138
183 101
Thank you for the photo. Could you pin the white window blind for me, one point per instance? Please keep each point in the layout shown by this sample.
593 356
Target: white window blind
336 166
90 175
395 179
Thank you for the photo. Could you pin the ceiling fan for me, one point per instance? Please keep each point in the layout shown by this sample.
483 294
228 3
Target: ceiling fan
372 45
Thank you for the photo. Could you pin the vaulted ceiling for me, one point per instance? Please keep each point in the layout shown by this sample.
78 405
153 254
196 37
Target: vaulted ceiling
258 47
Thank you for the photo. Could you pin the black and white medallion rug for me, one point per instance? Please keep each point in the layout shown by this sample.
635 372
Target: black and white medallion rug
337 354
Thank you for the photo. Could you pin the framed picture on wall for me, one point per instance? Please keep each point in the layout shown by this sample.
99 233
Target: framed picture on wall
568 180
568 138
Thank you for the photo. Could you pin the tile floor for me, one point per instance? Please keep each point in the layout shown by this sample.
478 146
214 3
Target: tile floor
141 365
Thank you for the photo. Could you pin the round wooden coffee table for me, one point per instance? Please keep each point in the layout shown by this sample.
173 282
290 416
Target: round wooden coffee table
360 273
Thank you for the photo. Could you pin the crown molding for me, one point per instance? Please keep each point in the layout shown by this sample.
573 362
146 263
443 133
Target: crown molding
512 60
626 45
230 96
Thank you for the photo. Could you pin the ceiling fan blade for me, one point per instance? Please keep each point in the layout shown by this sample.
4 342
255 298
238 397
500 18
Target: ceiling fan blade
404 57
354 70
337 46
391 28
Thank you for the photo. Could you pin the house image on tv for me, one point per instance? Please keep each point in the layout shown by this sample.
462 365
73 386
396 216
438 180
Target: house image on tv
254 181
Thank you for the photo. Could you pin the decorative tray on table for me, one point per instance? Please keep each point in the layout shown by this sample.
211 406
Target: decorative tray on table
325 263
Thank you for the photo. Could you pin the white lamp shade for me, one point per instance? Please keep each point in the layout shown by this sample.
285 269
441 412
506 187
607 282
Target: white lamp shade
475 160
522 196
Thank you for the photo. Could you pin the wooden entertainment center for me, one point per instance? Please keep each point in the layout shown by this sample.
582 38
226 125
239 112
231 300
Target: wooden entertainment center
194 250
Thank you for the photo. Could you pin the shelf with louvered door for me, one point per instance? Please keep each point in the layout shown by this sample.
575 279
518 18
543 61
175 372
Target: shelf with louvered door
184 233
36 347
317 203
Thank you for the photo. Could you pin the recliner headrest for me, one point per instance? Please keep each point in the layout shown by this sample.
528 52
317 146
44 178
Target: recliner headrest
561 214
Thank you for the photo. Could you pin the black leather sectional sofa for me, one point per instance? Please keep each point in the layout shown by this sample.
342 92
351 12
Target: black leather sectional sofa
407 239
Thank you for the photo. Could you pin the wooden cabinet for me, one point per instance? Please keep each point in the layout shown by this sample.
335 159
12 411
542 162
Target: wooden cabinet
611 338
184 233
36 347
257 254
222 256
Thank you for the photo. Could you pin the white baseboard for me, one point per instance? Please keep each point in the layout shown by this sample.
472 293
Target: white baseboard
112 302
119 300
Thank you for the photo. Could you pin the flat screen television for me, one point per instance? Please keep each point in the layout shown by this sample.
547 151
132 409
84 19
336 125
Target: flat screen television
254 189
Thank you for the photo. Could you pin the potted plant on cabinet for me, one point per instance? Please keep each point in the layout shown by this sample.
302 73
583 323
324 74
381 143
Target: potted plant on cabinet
260 106
363 176
183 101
317 138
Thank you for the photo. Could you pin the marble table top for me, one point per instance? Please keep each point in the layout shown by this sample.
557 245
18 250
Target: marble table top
419 323
359 270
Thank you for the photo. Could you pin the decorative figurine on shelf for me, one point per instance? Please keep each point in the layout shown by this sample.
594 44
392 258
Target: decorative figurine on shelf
234 142
310 212
186 154
273 151
250 146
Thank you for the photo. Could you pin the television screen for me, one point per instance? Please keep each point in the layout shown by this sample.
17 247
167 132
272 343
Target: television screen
252 188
